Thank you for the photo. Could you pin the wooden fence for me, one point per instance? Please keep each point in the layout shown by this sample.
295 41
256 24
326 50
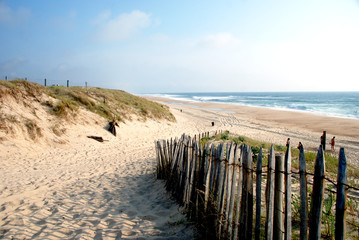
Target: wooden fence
215 183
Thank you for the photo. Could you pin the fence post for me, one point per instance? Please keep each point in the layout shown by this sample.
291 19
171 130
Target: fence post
317 196
213 174
247 196
278 229
165 160
161 160
179 169
341 197
234 191
188 172
174 164
288 194
230 197
209 166
257 228
239 172
270 195
158 160
45 82
68 83
303 195
221 189
191 186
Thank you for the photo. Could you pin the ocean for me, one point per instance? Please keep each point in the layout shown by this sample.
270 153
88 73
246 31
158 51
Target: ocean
335 104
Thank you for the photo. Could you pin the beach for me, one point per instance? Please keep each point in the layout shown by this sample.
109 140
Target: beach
274 126
84 189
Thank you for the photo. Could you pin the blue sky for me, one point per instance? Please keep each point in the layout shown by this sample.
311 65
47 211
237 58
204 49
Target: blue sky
154 46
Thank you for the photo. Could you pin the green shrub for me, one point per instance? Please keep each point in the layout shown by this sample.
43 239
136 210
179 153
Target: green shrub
60 110
241 139
32 129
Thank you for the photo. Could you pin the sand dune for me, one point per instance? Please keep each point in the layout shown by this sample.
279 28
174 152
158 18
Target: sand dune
85 189
89 190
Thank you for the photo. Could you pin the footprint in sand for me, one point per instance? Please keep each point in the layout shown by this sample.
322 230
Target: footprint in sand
95 222
111 223
131 213
41 222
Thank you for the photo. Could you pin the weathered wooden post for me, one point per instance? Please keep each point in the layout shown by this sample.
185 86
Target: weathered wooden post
317 196
278 228
230 197
303 195
158 160
186 176
221 189
208 176
239 173
68 83
5 78
341 197
159 171
247 197
179 170
220 173
45 82
234 191
257 228
288 194
214 170
270 195
191 186
87 91
323 139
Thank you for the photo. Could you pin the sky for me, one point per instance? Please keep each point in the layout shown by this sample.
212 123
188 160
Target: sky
161 46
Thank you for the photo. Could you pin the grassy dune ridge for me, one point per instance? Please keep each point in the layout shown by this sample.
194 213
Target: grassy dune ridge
62 103
110 104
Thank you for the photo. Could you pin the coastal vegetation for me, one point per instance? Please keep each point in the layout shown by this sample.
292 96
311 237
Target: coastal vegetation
331 159
110 104
64 103
331 168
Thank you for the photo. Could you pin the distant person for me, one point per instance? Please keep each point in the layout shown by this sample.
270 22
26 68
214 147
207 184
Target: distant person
332 143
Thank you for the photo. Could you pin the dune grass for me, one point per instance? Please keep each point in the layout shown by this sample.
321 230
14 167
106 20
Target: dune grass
331 159
110 104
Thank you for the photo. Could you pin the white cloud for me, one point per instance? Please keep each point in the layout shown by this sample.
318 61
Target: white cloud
161 38
10 16
124 26
219 40
102 17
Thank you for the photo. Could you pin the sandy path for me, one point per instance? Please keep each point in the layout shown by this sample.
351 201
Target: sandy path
91 190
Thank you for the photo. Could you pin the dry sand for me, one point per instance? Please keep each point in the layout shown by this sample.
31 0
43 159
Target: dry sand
85 189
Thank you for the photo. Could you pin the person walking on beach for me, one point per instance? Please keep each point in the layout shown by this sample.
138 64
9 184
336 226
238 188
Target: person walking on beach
332 143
